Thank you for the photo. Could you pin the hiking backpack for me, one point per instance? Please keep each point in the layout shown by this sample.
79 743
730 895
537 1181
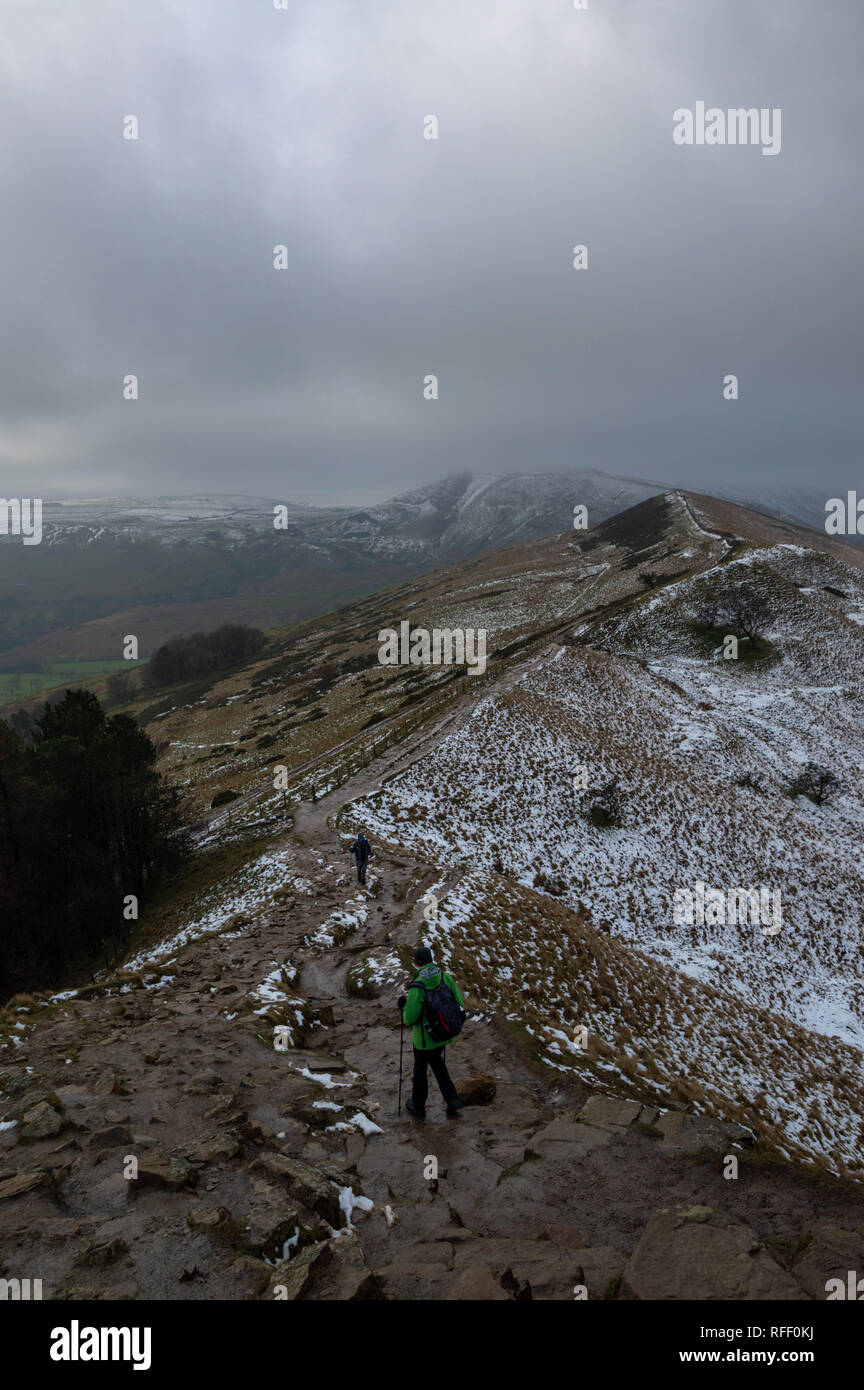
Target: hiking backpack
442 1016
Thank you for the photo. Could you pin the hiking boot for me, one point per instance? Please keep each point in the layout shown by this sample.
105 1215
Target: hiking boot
454 1108
418 1114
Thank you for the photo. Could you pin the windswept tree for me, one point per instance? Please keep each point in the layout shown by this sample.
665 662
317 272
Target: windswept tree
817 782
602 805
739 608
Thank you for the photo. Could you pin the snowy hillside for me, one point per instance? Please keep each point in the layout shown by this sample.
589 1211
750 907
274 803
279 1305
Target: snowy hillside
705 752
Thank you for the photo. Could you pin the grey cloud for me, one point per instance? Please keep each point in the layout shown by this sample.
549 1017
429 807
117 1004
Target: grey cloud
410 256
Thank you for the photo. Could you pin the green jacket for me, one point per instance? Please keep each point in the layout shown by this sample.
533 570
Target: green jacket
431 976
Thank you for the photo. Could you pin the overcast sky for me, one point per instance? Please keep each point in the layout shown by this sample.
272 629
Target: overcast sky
410 256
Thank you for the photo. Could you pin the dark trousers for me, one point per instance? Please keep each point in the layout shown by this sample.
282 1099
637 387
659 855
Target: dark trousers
434 1058
361 869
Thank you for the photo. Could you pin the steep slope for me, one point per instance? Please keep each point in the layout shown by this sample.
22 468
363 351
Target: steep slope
703 752
164 566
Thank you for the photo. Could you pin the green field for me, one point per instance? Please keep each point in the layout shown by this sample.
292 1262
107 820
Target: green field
23 685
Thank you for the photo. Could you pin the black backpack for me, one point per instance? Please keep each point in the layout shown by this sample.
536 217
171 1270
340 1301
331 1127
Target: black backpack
442 1016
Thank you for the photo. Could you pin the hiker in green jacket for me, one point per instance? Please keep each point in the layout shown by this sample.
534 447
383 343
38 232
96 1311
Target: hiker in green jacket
429 1052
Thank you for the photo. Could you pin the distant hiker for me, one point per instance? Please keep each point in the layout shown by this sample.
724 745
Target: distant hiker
434 1005
361 849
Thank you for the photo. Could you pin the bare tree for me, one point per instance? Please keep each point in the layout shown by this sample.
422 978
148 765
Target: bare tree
747 609
819 783
603 805
736 606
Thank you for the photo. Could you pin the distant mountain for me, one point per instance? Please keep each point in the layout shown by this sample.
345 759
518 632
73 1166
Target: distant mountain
449 519
469 512
163 566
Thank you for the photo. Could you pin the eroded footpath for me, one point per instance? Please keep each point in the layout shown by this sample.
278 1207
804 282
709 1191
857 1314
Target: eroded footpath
224 1126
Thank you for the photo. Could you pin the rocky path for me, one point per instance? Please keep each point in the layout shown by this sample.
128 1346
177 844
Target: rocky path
160 1139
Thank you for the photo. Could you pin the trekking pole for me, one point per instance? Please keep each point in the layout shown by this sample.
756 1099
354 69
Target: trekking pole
401 1041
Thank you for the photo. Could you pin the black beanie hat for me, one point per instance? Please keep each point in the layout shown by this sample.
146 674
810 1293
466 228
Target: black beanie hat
422 956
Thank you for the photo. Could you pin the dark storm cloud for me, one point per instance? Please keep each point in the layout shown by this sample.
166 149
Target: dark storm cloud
409 256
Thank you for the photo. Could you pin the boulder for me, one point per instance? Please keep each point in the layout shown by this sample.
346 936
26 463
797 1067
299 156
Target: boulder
326 1064
215 1147
113 1136
566 1138
207 1218
476 1089
41 1122
24 1182
306 1185
688 1134
291 1278
266 1230
342 1275
227 1110
608 1112
247 1278
695 1253
14 1083
256 1132
53 1229
108 1083
163 1170
831 1254
316 1117
552 1278
498 1252
36 1095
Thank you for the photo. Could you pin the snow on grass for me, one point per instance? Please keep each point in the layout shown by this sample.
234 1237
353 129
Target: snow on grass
680 733
340 924
247 892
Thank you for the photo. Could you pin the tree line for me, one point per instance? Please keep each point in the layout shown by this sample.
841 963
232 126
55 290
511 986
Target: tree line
184 658
86 822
